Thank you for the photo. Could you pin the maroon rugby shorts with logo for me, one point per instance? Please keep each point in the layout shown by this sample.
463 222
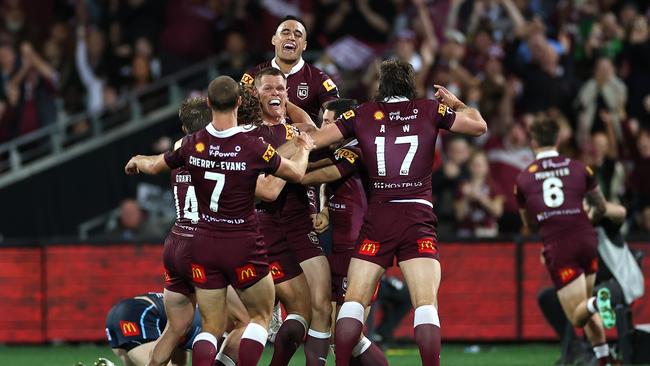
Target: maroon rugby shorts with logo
283 263
571 254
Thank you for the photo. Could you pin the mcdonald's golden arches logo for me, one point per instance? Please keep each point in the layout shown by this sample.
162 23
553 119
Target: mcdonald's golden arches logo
246 273
369 247
129 329
276 270
198 273
567 274
426 245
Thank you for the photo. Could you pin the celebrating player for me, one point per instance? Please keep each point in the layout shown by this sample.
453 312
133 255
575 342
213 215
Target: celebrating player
397 137
550 192
133 325
224 164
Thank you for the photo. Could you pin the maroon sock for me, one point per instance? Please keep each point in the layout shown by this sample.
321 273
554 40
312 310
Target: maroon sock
250 352
317 346
346 337
287 341
427 336
373 356
204 350
355 361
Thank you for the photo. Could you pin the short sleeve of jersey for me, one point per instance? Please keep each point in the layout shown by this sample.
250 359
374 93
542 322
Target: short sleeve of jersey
444 116
345 160
176 158
346 123
328 90
269 158
249 76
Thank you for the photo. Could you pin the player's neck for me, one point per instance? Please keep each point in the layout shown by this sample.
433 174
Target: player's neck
286 67
272 120
223 121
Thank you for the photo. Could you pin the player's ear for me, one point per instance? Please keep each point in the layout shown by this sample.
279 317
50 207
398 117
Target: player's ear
238 101
304 47
274 40
207 101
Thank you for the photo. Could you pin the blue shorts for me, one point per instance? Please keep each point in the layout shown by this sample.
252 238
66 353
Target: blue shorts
133 322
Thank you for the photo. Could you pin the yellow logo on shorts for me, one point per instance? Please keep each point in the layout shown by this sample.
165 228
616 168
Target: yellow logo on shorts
567 274
268 154
329 84
369 247
247 79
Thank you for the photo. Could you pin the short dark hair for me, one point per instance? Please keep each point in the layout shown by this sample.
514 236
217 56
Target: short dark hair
272 71
545 132
223 93
292 17
250 110
340 106
194 114
396 79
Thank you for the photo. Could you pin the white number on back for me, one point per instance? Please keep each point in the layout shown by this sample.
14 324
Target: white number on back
552 192
190 206
408 159
216 192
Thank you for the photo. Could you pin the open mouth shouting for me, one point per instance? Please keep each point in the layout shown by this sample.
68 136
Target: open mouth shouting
289 48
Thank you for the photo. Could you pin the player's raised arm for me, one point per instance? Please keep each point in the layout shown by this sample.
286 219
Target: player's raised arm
468 120
326 136
293 170
268 187
300 118
153 164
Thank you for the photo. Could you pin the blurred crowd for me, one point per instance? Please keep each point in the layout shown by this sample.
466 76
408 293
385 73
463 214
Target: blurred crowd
585 63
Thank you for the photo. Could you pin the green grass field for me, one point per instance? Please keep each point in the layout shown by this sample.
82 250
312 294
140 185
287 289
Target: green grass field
453 355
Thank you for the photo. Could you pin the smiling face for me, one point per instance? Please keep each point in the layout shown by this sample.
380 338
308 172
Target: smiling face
290 40
272 91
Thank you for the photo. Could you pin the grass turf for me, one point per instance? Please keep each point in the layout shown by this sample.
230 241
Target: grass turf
452 354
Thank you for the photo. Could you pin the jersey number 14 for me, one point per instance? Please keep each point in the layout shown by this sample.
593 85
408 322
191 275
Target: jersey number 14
191 206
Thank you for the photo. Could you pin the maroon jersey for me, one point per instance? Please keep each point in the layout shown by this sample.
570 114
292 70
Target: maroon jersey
398 140
187 207
551 189
224 166
307 86
347 199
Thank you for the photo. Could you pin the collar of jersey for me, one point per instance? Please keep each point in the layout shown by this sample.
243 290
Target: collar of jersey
395 99
225 133
294 69
547 154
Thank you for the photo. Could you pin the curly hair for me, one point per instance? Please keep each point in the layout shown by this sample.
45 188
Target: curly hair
250 110
396 79
194 114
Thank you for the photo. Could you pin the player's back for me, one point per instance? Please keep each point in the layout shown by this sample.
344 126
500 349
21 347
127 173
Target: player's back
552 189
224 166
398 141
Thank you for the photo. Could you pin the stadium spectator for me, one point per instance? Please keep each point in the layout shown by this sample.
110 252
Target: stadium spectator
602 157
133 224
478 203
235 57
446 179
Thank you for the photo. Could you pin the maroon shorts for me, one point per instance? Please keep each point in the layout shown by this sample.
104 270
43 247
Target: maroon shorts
299 233
339 263
282 261
177 259
571 255
397 230
237 259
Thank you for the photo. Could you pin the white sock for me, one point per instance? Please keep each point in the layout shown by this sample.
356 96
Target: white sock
591 305
351 309
297 318
601 351
224 359
426 314
205 336
319 335
256 333
361 347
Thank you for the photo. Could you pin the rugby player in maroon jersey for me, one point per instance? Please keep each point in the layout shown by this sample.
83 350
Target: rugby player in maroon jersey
224 164
309 88
397 136
550 193
345 209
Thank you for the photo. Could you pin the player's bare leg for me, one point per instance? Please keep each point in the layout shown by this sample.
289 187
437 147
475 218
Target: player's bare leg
317 272
139 355
123 355
293 330
575 299
237 321
362 280
422 276
180 313
212 305
258 300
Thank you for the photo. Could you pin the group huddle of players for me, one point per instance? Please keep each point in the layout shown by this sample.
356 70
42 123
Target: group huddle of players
246 186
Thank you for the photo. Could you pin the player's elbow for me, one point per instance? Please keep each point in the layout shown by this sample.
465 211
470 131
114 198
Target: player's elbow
295 176
479 127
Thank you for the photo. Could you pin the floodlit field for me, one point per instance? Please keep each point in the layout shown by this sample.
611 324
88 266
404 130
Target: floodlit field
455 355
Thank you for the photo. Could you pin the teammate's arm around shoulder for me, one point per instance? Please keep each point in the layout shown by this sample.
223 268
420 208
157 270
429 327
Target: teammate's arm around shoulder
468 120
293 170
153 164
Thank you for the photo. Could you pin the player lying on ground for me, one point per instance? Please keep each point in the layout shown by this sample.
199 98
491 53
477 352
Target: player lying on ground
550 192
224 163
